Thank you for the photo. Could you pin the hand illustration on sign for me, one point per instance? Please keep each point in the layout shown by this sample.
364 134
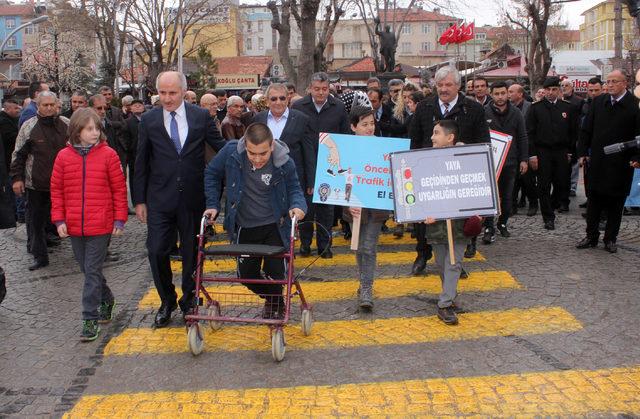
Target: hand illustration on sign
334 154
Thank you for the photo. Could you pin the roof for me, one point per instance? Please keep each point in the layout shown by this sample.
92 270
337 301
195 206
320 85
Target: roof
16 10
415 15
244 65
564 35
362 65
596 6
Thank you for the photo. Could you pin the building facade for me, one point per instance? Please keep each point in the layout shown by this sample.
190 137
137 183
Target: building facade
11 17
598 30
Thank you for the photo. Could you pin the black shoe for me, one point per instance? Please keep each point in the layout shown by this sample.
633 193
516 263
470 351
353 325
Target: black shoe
105 312
584 215
584 204
331 172
39 264
273 307
504 232
163 316
572 194
384 229
549 225
489 236
563 208
111 257
533 210
522 203
626 211
327 254
399 231
347 235
586 243
305 251
611 247
463 275
420 264
470 251
447 315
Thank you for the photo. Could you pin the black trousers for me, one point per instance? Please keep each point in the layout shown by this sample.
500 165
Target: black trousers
249 268
612 206
323 215
39 214
553 169
422 246
161 237
528 184
506 185
131 171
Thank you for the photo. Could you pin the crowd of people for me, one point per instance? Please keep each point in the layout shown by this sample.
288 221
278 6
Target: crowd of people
82 171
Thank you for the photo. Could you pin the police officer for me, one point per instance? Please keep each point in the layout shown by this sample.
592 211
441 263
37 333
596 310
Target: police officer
552 128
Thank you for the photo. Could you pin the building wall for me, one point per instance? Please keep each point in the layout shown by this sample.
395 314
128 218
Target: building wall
8 24
598 30
223 37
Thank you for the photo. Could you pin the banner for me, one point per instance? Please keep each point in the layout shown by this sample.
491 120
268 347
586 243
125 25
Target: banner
444 183
500 143
353 170
633 200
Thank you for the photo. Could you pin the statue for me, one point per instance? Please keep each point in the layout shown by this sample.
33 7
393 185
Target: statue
388 45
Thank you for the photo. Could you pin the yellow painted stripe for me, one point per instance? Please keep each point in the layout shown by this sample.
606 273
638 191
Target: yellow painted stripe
383 287
566 393
339 241
342 259
353 333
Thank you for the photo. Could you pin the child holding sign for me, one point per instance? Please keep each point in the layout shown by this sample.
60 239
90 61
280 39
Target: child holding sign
445 134
371 220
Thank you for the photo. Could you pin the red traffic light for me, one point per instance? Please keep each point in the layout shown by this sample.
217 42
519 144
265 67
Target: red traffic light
407 173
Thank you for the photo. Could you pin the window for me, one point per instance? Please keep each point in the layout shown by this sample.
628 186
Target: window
11 42
260 44
406 28
249 44
29 30
406 47
356 31
352 50
481 36
10 23
248 26
426 28
260 26
426 46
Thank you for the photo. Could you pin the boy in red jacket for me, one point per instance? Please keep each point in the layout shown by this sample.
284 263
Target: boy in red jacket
89 203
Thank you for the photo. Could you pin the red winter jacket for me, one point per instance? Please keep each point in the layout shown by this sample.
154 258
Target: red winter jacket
88 193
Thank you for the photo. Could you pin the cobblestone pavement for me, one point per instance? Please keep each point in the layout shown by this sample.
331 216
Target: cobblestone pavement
544 329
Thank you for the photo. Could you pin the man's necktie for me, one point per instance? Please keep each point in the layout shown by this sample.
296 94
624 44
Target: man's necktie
175 134
446 109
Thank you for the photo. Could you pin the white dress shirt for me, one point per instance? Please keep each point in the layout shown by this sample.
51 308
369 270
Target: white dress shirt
181 119
319 107
451 105
277 125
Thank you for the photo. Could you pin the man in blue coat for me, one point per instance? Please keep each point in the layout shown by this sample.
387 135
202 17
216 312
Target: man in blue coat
263 194
169 185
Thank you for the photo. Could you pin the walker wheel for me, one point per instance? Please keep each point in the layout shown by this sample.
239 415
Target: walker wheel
306 321
278 345
214 311
195 339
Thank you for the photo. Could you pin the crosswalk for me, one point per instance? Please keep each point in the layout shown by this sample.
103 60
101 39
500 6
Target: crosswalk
542 393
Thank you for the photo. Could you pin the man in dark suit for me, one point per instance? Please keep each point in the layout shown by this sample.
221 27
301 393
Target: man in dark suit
293 128
131 138
169 186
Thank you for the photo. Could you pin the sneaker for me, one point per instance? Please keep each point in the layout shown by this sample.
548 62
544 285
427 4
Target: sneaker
489 236
105 311
504 232
90 330
365 298
448 315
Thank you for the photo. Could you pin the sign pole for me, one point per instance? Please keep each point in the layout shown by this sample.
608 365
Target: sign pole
355 232
452 254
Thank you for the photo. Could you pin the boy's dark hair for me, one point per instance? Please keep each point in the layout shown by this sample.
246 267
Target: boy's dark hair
219 92
449 126
417 97
498 85
34 88
258 133
13 101
291 86
595 80
480 79
358 113
377 91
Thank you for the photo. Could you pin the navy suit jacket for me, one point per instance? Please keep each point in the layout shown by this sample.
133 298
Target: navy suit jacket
301 140
163 178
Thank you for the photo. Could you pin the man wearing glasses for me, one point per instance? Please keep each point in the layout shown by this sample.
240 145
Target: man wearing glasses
388 124
293 128
613 117
99 104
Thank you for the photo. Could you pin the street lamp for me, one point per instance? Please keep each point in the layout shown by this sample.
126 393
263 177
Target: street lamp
39 19
132 82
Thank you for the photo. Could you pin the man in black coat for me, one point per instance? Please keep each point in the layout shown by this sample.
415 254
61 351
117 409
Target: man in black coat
612 118
169 186
472 125
504 117
389 125
293 128
78 100
326 114
552 128
130 135
9 128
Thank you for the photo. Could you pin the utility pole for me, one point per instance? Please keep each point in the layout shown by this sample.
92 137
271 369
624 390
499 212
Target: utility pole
617 38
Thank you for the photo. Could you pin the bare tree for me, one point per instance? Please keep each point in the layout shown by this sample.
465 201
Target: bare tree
305 12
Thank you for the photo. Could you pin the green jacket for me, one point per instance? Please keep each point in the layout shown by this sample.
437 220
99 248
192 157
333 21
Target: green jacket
437 233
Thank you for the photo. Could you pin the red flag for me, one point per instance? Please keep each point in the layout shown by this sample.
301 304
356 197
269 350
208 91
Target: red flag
459 37
469 32
444 38
453 34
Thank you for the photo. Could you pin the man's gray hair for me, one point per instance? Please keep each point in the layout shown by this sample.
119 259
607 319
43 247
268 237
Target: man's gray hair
320 76
45 93
127 100
233 99
395 82
276 86
445 71
181 76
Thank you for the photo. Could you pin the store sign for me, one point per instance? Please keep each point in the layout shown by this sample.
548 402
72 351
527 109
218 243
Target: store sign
237 81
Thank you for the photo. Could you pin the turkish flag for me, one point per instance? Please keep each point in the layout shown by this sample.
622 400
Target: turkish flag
446 35
453 34
469 32
459 35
